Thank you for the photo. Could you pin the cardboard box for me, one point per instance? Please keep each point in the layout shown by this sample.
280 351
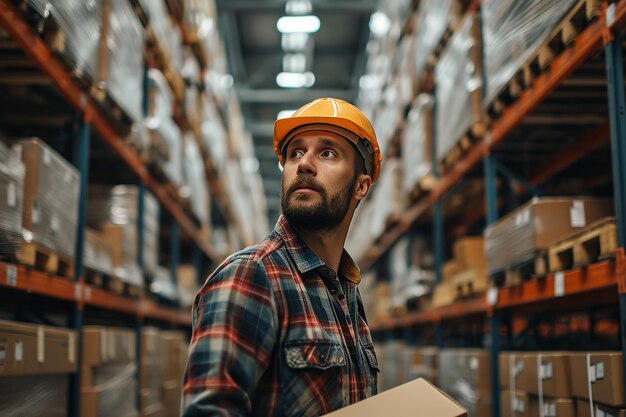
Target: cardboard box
449 269
102 345
608 387
514 403
424 363
172 397
537 225
109 400
552 369
28 349
583 409
511 361
553 407
469 252
176 347
417 397
444 294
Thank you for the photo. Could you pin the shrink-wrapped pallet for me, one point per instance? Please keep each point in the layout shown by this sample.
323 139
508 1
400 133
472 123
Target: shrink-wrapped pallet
435 18
112 64
151 371
108 382
197 189
464 374
387 197
417 143
535 226
512 31
114 210
458 87
98 254
51 187
11 199
163 285
34 396
166 32
214 135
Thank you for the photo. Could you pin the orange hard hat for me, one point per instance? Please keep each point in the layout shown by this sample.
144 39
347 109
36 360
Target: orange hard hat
333 112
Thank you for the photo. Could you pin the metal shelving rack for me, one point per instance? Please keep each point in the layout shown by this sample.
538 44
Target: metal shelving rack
76 292
597 284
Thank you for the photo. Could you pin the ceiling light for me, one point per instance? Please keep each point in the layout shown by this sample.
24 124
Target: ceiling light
294 41
379 24
298 7
295 79
294 63
298 24
285 114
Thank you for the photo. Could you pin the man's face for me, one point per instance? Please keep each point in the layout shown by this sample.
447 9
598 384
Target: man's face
318 180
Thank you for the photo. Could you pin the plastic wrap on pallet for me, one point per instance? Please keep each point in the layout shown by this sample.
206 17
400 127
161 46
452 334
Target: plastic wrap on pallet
239 193
151 367
435 17
34 396
195 178
360 234
163 285
456 79
200 17
214 135
11 199
512 32
81 23
399 266
51 186
125 69
166 32
41 7
119 206
464 374
387 197
417 151
114 390
388 116
97 253
532 228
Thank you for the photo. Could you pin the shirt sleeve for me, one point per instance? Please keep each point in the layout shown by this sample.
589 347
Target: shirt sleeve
234 332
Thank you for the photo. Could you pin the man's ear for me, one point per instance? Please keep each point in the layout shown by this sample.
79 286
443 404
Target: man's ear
363 185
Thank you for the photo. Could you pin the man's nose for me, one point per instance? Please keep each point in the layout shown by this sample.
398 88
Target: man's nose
306 164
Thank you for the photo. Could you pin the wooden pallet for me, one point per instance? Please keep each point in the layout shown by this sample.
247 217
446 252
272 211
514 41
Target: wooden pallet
105 281
423 186
519 272
469 283
474 134
38 257
563 35
596 242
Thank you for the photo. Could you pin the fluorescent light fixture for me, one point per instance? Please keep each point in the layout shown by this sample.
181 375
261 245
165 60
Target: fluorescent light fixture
298 7
379 24
298 24
284 114
294 62
294 41
295 79
226 81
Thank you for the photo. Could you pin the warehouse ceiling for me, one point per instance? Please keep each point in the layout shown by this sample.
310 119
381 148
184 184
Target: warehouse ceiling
335 55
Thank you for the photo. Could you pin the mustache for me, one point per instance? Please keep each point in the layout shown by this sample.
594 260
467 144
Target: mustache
305 182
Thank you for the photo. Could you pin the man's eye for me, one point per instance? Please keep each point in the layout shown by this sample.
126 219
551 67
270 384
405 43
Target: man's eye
328 154
295 154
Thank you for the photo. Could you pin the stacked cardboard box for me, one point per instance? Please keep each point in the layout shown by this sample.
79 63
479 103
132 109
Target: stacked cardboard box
175 359
34 369
11 199
532 228
187 284
51 185
421 362
598 383
464 374
98 252
151 372
108 367
417 143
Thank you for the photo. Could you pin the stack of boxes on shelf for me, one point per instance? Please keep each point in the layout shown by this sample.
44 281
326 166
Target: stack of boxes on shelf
11 199
562 384
465 374
161 366
35 367
107 375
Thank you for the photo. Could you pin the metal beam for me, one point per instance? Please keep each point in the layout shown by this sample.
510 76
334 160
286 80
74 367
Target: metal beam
250 95
354 6
274 52
361 57
230 28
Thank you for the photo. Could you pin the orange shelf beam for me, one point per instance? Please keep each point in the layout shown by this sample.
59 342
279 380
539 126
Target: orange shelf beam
32 281
460 309
149 309
597 276
22 33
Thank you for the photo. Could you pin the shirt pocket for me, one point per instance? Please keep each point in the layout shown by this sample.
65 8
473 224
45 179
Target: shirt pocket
312 377
373 368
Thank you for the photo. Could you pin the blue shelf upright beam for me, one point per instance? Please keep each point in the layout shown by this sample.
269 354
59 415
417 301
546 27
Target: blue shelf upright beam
617 118
82 163
491 203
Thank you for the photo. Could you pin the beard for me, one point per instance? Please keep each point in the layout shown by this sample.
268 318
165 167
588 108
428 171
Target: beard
324 215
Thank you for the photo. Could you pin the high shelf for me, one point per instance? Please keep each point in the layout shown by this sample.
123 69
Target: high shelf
599 45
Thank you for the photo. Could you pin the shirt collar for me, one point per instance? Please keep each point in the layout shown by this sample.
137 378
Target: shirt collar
306 260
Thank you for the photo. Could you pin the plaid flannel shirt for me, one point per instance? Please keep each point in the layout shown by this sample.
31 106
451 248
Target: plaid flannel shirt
277 333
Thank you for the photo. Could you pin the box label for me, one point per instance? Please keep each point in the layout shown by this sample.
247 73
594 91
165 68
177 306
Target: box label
41 347
19 351
11 195
577 214
559 284
522 218
492 296
11 275
599 370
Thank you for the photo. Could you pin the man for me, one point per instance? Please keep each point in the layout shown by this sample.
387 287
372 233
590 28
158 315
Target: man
279 328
